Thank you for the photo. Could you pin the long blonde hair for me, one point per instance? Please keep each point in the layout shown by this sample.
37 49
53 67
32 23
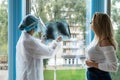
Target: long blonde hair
103 28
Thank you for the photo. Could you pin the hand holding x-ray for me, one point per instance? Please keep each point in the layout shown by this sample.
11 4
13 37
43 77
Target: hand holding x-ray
43 37
59 39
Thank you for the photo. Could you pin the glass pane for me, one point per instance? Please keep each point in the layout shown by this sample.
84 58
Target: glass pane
3 40
115 15
68 64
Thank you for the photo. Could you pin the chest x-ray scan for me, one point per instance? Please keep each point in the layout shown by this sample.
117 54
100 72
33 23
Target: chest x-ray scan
55 29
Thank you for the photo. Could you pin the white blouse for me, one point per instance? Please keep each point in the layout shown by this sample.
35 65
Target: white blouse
104 56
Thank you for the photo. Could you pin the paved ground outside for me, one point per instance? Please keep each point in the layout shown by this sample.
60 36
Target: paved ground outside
3 74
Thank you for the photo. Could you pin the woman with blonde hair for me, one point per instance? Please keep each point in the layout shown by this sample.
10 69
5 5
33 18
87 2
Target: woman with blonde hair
101 57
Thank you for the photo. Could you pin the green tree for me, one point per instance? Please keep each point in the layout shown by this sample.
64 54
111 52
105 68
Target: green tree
3 27
115 14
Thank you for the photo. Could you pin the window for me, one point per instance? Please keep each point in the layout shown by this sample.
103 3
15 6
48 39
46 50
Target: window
71 11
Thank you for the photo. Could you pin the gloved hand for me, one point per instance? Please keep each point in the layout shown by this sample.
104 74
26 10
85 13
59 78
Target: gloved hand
43 37
59 39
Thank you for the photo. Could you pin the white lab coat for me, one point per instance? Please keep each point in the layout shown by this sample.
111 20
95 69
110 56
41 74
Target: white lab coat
29 57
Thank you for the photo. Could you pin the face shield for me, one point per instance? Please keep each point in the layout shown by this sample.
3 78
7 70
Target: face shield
38 26
41 26
32 22
34 26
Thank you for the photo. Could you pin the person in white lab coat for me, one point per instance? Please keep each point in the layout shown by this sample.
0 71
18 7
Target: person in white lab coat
29 50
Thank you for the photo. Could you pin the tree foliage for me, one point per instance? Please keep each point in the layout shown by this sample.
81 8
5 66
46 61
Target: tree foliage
115 14
51 10
3 27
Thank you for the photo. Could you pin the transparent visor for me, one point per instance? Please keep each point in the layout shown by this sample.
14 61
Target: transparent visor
37 26
41 26
31 26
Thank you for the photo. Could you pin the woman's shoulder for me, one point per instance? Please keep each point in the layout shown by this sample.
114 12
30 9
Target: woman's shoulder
104 43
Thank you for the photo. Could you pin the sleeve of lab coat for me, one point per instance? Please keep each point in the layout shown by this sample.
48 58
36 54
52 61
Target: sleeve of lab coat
36 49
